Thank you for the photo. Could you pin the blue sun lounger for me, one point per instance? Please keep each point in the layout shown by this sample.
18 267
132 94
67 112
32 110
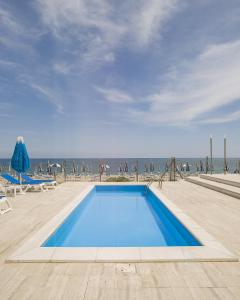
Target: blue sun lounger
37 181
26 184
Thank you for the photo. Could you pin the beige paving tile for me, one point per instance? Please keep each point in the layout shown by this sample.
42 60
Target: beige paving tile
182 293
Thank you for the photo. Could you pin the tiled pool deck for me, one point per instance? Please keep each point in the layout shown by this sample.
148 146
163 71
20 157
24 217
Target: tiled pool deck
216 213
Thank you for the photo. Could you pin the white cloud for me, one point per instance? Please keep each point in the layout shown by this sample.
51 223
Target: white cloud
62 67
8 21
148 20
5 109
208 83
8 63
50 95
88 32
84 26
225 118
109 57
115 96
13 25
14 34
97 27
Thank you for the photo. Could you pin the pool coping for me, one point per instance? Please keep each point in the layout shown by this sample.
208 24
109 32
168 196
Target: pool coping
31 250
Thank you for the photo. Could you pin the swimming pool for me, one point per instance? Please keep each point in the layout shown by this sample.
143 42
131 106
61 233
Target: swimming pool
121 216
120 223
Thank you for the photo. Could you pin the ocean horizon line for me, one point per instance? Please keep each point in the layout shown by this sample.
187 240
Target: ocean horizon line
131 157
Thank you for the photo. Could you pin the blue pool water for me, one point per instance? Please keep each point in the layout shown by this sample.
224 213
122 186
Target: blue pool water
121 216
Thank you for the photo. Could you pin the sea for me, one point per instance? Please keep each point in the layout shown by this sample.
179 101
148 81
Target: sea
114 166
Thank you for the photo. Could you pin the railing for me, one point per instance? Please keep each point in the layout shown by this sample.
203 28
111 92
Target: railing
151 180
160 182
180 173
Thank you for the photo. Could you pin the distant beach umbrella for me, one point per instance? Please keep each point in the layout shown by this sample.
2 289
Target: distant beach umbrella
101 170
107 167
197 167
126 167
87 168
55 165
20 161
151 167
120 168
83 168
146 168
64 169
236 170
74 167
40 168
135 169
166 167
227 167
49 169
181 167
63 166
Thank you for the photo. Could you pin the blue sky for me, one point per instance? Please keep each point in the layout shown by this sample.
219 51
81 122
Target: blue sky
134 78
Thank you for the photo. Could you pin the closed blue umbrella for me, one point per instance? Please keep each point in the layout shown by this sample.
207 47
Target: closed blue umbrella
20 160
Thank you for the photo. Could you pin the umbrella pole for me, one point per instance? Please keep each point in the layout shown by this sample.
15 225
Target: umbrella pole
137 170
211 156
225 155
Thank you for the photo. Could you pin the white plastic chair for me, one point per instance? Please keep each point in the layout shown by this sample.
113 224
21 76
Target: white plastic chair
5 204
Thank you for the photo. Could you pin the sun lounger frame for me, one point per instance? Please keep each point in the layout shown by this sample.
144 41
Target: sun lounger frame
4 200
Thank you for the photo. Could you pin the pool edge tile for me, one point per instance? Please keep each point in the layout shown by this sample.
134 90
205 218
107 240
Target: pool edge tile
161 254
120 254
65 254
33 255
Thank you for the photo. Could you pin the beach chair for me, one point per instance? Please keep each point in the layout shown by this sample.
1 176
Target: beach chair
25 185
4 202
48 182
12 189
